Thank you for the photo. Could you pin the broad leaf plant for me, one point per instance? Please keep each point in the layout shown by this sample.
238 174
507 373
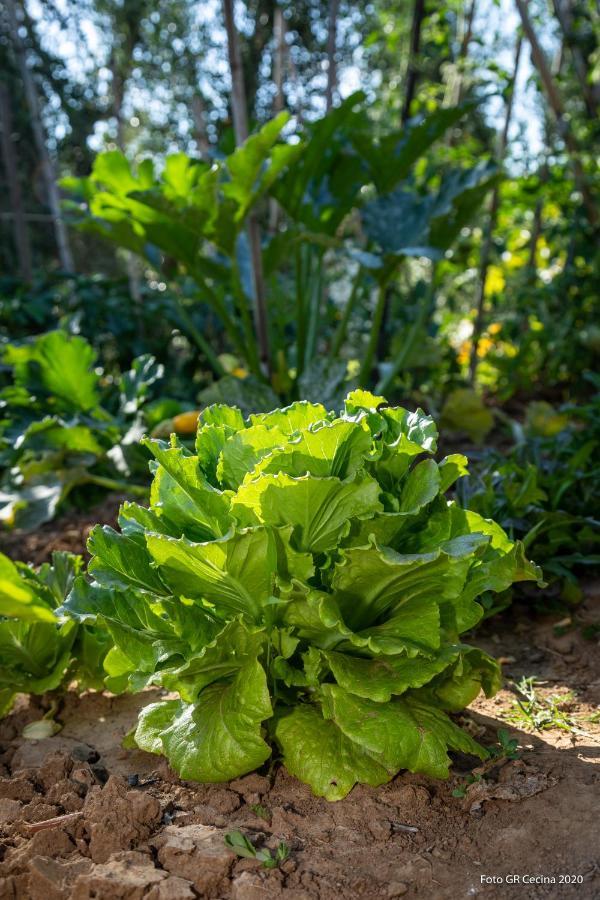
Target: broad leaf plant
301 583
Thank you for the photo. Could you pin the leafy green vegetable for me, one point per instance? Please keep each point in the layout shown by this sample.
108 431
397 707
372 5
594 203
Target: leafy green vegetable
544 490
301 581
56 437
41 650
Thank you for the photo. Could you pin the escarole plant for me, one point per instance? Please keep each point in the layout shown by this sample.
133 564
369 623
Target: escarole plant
302 583
40 650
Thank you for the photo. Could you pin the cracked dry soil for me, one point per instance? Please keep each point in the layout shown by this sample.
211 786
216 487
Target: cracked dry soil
129 829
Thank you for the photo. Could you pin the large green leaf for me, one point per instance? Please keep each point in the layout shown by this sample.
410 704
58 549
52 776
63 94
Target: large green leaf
243 450
317 752
236 573
295 417
422 485
379 679
331 449
256 164
320 509
401 734
122 562
60 366
218 737
371 581
18 599
181 493
406 223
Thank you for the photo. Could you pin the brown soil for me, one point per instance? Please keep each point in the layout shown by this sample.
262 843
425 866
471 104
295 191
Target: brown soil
67 532
131 829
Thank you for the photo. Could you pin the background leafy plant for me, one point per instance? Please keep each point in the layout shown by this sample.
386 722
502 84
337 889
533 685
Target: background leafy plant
63 429
544 490
40 650
343 193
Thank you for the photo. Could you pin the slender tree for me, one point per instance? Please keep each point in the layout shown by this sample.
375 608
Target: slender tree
334 8
412 69
456 82
565 15
556 104
17 210
240 126
279 56
39 136
199 119
488 238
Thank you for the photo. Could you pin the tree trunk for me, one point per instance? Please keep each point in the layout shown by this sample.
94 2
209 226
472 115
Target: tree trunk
39 137
240 126
119 82
334 8
20 231
278 59
412 76
412 70
564 14
200 132
238 89
279 98
486 248
554 99
454 91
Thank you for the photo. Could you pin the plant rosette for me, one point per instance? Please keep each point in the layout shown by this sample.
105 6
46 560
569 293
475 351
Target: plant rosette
302 583
40 649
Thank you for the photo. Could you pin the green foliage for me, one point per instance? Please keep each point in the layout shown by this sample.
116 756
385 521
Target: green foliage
544 491
119 327
56 437
464 412
41 650
536 712
302 582
191 220
243 846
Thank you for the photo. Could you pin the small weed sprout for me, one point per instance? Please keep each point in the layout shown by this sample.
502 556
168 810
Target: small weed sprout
242 846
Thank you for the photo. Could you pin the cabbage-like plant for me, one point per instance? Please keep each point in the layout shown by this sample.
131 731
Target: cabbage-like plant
302 583
40 650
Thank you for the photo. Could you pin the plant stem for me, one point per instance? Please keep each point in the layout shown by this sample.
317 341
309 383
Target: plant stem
113 484
243 304
199 338
300 313
342 328
367 366
213 299
316 286
426 303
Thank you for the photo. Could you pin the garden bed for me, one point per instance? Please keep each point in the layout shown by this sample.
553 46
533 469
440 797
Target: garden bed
67 532
134 830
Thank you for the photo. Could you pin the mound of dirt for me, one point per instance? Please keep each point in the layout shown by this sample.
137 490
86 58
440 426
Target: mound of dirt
82 818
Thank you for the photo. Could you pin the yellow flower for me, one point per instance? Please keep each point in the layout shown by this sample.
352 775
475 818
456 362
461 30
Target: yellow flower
239 372
484 346
494 283
464 353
